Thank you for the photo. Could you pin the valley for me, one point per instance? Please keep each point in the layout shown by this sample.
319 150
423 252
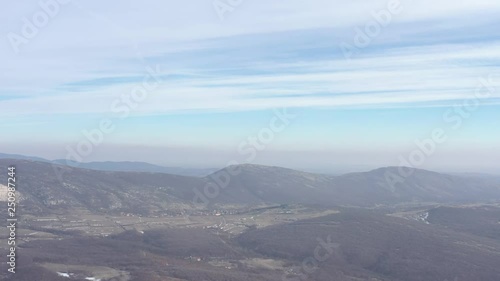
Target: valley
126 226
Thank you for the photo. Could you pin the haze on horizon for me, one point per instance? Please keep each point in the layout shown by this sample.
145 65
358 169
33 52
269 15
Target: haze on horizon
432 71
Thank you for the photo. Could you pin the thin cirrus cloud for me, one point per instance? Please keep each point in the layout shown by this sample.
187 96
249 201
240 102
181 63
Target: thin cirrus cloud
262 55
400 75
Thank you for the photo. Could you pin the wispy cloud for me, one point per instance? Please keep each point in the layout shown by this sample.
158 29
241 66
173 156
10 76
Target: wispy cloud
271 50
417 75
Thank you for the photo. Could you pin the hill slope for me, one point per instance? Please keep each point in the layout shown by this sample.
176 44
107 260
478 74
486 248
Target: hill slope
362 245
261 184
48 187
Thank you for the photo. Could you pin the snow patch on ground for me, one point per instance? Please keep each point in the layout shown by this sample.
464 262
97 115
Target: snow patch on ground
423 217
63 274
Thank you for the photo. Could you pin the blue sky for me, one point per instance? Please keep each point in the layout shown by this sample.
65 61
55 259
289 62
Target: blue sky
220 80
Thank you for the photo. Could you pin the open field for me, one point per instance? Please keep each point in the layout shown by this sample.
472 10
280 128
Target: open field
234 221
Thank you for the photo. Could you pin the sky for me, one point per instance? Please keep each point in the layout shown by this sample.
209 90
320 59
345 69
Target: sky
323 85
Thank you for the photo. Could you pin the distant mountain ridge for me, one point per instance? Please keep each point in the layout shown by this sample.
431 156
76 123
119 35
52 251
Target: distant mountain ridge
132 166
22 157
124 166
262 184
40 189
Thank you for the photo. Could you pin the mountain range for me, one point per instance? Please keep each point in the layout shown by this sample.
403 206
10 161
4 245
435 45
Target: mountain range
49 187
125 166
257 223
